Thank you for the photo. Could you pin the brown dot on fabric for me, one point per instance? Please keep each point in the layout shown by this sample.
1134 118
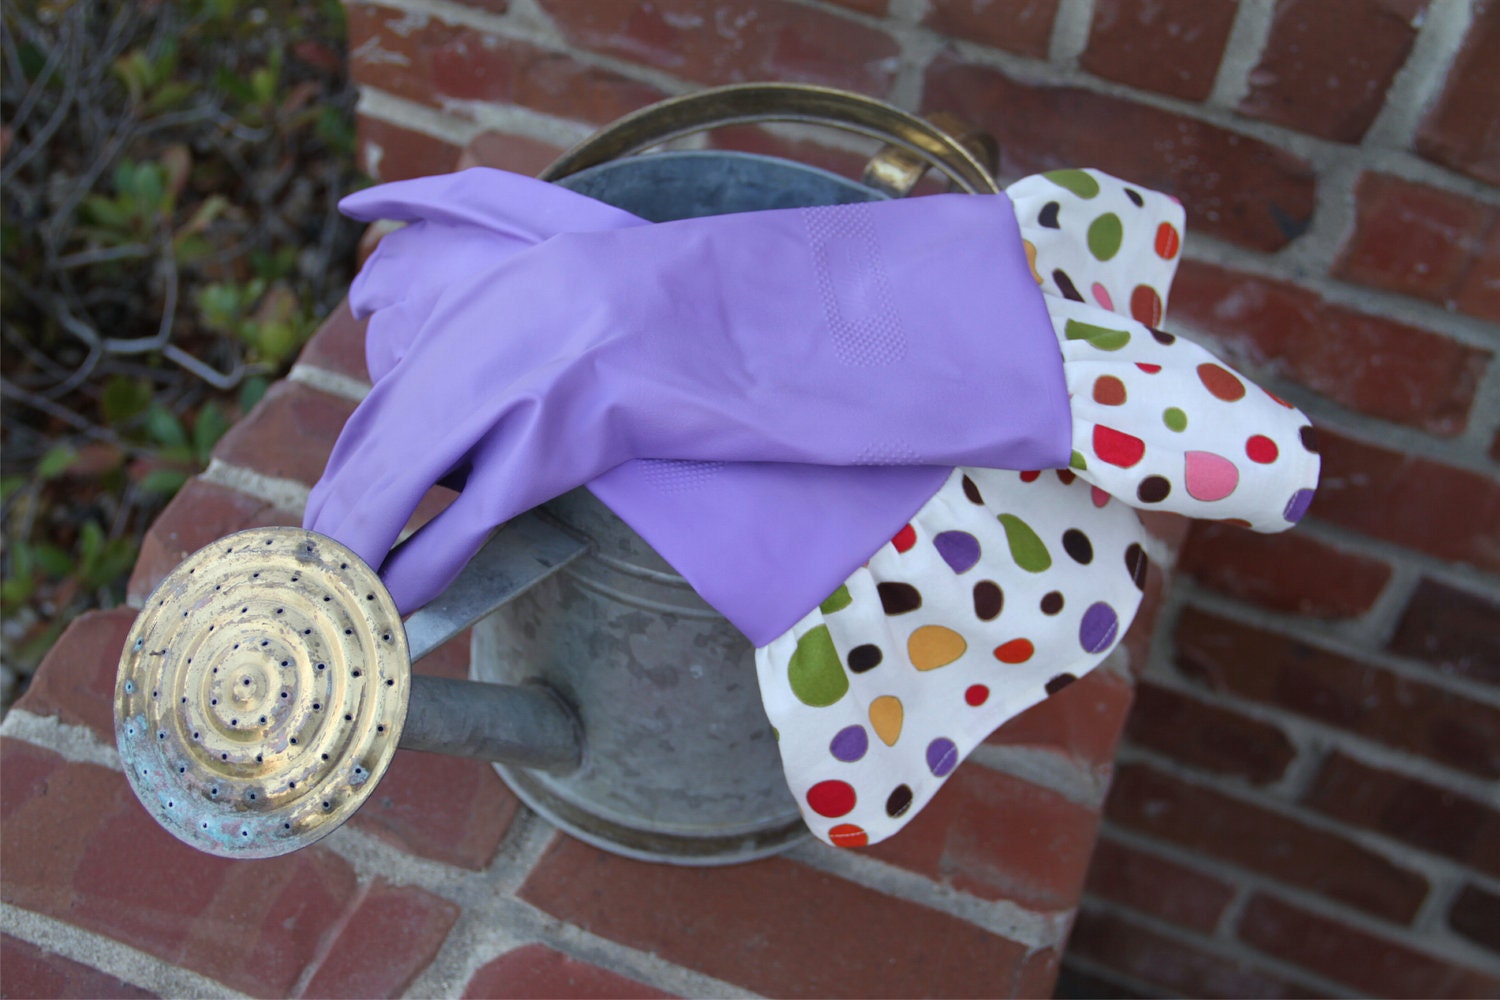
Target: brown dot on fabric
971 491
1153 489
899 598
1052 602
988 600
1059 682
1109 391
1137 563
865 657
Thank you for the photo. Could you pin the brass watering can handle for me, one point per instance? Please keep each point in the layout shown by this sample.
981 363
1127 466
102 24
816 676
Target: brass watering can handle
963 154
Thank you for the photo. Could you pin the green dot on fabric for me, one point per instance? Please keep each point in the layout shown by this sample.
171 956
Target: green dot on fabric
1103 337
1077 461
1175 419
1077 181
1025 547
815 674
1105 234
836 601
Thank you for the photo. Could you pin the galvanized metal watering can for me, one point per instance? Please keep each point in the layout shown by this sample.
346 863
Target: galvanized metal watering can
266 684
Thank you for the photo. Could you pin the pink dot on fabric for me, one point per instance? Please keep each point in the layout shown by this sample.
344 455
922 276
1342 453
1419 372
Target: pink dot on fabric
1209 477
1101 296
1261 449
831 798
1099 497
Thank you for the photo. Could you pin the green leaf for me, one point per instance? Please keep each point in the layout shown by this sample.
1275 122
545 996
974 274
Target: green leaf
164 427
53 561
10 485
163 482
57 460
22 559
209 426
108 212
90 541
124 398
17 590
251 392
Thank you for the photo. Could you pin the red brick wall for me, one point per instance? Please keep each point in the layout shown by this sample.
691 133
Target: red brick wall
1306 798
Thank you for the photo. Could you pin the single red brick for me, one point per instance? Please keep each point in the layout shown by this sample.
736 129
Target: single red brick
388 152
1462 130
1208 736
1273 844
1412 238
1379 966
1236 188
1289 572
1038 976
1318 74
1452 629
773 926
502 151
1111 941
200 513
1478 292
1359 697
1082 721
1476 915
1022 26
1363 361
998 837
437 62
339 345
392 935
288 435
1153 885
1413 811
752 40
76 680
1445 511
874 8
1073 983
536 971
1172 48
449 809
77 846
28 971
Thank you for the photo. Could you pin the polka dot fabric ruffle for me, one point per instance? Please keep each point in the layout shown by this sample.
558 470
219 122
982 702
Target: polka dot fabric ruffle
1007 586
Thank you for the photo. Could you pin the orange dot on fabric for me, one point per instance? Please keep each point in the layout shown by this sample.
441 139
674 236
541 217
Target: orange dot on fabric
1015 651
905 539
1221 382
1261 449
1168 242
1109 391
848 835
1145 305
1278 399
831 798
933 646
887 716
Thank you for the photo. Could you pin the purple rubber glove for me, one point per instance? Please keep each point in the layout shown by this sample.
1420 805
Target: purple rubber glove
847 336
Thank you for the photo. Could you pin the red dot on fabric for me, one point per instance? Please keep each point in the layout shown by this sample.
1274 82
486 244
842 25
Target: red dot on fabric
977 695
1145 305
1168 242
848 835
831 798
1278 399
1030 476
1117 447
1261 449
1066 476
1220 382
1015 651
1148 369
1109 391
905 539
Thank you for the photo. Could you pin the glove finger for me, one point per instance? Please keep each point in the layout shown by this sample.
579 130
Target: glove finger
425 564
523 208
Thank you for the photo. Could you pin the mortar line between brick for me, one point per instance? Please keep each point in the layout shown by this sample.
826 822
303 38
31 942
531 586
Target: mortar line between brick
96 951
1002 917
1450 945
1070 32
329 937
330 382
1229 950
1242 52
1315 634
1045 769
73 743
1417 83
1399 854
1456 575
284 494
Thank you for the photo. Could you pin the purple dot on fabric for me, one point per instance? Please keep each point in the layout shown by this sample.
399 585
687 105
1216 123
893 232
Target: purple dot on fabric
849 744
1297 505
959 549
1097 631
942 756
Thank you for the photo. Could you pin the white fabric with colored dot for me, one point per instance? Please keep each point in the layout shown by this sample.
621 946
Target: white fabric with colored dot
1007 586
